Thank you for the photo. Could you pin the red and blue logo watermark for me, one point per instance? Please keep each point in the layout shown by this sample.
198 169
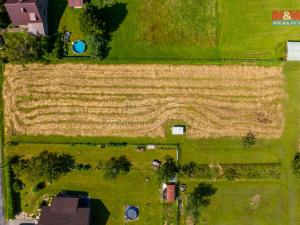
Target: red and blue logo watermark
286 17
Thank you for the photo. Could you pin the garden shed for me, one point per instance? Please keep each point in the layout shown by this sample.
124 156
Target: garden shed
293 51
178 130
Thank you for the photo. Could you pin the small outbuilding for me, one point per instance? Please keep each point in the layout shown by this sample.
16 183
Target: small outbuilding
75 3
293 51
178 130
156 164
171 193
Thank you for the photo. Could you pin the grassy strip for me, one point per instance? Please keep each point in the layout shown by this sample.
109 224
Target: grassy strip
188 61
6 173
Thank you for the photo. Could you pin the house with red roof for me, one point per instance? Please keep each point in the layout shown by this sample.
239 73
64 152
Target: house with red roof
75 3
29 14
171 193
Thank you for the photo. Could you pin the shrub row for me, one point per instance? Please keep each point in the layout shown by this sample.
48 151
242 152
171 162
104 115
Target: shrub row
8 192
233 171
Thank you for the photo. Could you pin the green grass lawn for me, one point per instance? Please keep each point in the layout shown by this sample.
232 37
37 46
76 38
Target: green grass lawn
131 189
245 28
232 205
158 30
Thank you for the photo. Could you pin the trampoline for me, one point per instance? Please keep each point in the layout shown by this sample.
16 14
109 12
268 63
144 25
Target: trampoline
132 213
79 46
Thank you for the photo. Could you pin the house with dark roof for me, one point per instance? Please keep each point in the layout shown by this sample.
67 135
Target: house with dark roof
65 211
29 14
75 3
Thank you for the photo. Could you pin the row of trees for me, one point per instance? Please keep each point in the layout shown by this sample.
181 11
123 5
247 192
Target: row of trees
24 47
47 165
94 26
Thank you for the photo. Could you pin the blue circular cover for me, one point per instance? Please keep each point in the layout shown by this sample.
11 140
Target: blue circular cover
79 46
132 213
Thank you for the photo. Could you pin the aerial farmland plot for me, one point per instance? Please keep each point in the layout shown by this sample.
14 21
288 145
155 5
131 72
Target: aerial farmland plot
138 100
104 121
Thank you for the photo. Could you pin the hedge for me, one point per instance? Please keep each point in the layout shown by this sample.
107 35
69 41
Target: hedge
237 171
8 192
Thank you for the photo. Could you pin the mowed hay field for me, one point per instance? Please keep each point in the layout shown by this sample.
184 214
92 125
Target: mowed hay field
139 100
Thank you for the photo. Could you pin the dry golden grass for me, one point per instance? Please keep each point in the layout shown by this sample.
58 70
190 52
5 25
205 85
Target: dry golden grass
137 100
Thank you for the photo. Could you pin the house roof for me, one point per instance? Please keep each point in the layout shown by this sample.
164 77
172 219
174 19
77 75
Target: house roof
75 3
23 12
293 51
64 211
171 192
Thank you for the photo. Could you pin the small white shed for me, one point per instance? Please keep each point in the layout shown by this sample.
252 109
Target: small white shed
293 51
178 130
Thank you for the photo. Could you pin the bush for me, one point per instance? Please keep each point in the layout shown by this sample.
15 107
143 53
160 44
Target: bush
168 169
39 186
249 140
296 164
9 202
115 166
17 186
98 46
59 46
189 169
84 167
118 144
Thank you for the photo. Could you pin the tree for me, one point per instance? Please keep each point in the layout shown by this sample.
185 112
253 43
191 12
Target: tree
46 165
168 169
296 164
115 166
200 197
90 22
59 45
4 19
189 169
24 48
98 46
249 139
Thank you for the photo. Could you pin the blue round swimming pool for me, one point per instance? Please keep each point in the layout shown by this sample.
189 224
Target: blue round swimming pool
79 46
132 213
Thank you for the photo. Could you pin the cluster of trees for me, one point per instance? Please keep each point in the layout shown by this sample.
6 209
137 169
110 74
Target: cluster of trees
24 47
95 27
47 165
115 166
199 198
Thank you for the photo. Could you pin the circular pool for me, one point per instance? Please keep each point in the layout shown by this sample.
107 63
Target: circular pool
79 46
132 213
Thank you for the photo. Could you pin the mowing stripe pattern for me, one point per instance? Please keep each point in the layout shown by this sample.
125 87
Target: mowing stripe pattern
138 100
